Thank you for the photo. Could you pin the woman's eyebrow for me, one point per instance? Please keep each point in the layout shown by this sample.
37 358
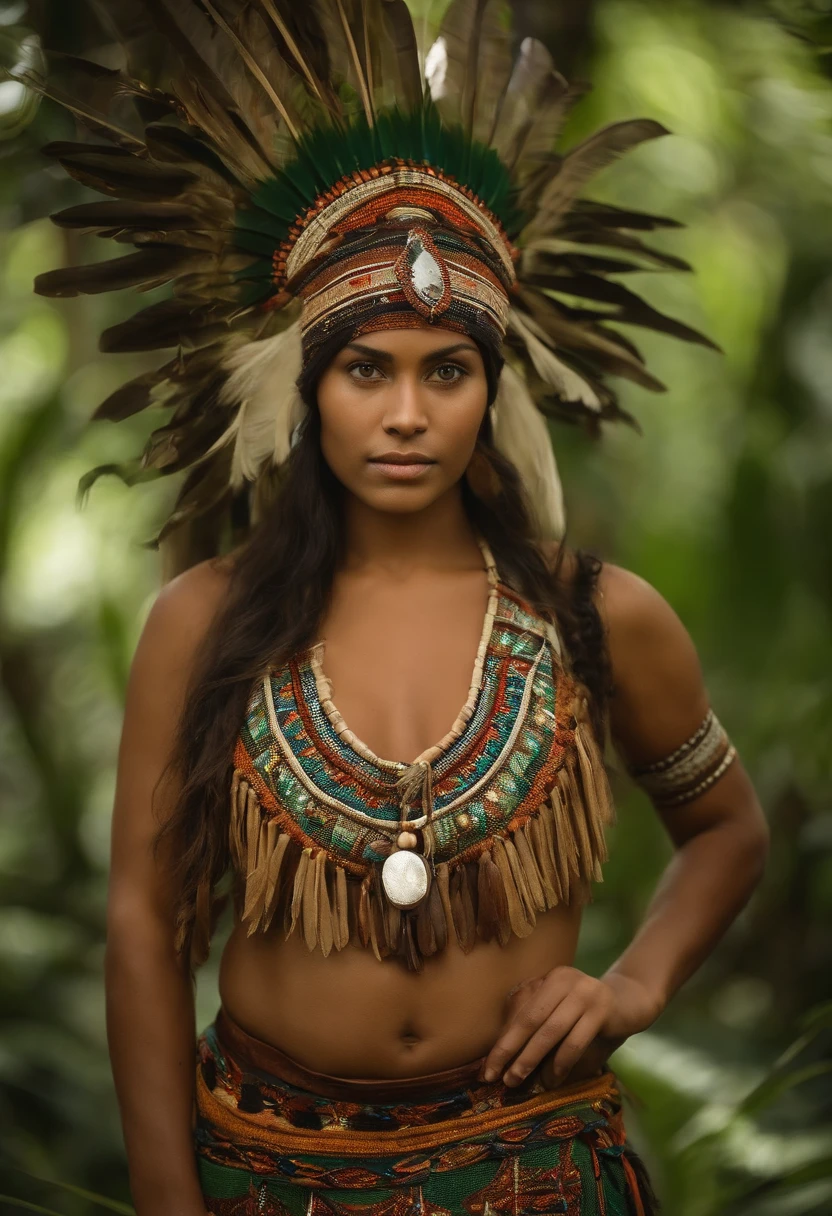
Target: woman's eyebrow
384 356
448 350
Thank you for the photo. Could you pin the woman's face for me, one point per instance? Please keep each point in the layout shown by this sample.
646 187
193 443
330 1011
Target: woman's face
400 411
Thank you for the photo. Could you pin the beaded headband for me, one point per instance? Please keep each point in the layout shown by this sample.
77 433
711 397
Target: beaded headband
390 247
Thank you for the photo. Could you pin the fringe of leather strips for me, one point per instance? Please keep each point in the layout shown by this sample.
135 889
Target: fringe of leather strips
557 853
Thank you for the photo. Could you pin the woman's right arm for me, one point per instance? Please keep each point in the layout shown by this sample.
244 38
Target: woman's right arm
149 994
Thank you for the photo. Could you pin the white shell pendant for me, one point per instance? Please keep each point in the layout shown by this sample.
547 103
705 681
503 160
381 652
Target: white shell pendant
405 877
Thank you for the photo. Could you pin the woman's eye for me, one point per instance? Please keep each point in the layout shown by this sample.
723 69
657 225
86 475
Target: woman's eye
363 371
449 373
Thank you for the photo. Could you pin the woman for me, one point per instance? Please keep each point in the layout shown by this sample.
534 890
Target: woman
402 1026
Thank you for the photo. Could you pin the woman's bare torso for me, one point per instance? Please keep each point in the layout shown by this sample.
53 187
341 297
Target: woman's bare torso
400 659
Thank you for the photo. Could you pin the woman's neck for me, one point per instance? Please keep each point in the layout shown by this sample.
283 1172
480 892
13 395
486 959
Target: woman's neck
440 537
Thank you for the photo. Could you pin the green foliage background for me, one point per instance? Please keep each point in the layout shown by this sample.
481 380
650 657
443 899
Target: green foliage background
723 503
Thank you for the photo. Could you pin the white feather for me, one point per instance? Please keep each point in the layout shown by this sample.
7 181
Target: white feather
261 379
436 69
567 383
521 434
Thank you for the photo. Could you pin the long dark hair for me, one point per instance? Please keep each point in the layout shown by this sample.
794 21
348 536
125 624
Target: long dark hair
278 591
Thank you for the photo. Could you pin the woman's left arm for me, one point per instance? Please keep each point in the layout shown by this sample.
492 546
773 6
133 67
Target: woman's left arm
720 839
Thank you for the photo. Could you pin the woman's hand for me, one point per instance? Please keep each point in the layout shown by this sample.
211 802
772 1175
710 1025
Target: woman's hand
585 1018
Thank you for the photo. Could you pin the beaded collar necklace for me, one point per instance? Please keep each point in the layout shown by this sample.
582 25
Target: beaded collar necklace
405 873
500 819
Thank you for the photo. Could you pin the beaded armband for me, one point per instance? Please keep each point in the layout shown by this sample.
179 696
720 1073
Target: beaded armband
692 768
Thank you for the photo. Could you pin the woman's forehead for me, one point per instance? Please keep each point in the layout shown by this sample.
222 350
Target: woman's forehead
412 342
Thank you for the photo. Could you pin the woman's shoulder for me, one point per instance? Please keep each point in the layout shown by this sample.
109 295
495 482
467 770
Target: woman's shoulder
196 593
643 631
183 610
626 601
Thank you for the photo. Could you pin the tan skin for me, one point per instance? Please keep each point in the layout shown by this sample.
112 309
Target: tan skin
401 633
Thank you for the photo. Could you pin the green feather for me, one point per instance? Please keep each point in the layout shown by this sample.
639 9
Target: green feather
332 150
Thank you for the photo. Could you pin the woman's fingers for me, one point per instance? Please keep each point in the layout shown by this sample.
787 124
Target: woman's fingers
571 1026
525 1019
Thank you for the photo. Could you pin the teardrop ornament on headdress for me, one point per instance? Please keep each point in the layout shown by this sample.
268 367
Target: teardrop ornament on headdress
423 274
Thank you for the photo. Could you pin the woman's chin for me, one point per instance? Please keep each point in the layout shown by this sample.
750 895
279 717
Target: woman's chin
402 498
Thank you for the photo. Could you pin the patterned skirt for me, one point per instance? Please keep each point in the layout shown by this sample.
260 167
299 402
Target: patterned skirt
276 1139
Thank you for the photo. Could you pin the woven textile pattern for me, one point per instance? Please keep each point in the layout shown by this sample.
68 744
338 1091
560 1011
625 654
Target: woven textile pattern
507 810
265 1146
491 779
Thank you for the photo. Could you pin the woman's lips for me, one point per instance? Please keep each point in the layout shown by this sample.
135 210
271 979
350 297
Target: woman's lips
402 472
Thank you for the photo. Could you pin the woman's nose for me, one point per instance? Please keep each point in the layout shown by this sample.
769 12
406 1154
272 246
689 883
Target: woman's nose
405 412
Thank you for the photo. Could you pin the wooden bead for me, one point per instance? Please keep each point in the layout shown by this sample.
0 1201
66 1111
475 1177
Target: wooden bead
406 840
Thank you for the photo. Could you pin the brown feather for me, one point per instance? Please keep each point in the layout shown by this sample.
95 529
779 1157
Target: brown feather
437 916
253 65
443 883
256 881
409 946
601 345
295 49
120 214
273 884
425 935
545 864
532 111
168 323
309 906
519 877
520 923
337 15
166 143
546 819
298 888
207 103
341 919
325 927
98 123
478 65
584 161
632 311
530 871
364 916
378 940
608 215
399 25
565 842
130 177
492 906
469 913
392 926
252 829
151 267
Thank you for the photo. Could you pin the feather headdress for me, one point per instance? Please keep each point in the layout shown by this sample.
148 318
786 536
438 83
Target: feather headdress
270 146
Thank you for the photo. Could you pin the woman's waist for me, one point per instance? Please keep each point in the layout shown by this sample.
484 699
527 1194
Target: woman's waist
352 1015
249 1091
